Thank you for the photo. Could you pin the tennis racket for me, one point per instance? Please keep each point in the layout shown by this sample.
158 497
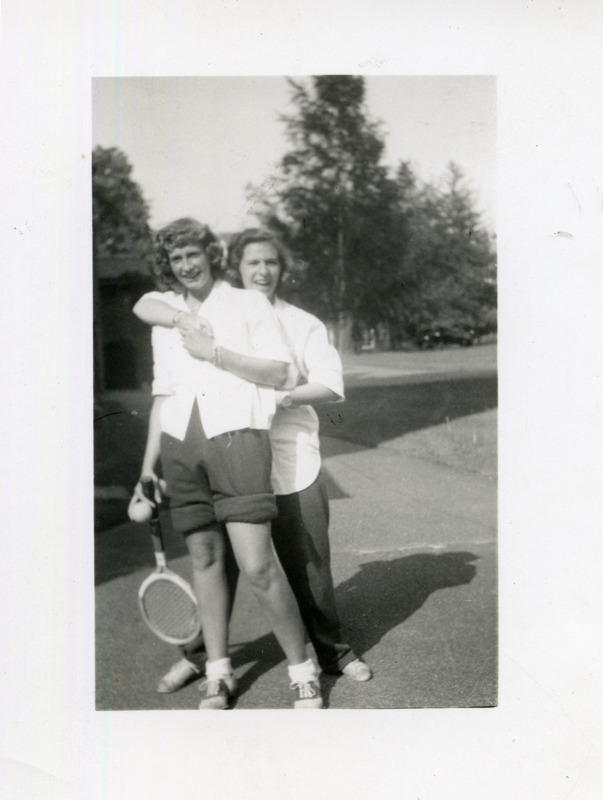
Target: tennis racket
167 602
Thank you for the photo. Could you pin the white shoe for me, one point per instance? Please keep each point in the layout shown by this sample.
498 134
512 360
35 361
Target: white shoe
307 695
357 670
217 693
181 673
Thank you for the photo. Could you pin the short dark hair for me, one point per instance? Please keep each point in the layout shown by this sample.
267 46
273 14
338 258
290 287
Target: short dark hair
182 232
255 236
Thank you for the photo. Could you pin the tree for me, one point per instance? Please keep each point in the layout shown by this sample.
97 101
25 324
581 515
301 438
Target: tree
450 264
120 214
335 204
120 226
377 250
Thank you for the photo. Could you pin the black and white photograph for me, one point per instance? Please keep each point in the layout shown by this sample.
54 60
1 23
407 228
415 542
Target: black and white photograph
302 379
321 461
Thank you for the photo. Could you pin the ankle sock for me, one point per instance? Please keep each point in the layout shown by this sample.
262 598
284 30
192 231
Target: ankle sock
220 668
303 673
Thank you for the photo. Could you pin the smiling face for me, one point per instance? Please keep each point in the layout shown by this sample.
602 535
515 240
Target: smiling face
192 269
260 268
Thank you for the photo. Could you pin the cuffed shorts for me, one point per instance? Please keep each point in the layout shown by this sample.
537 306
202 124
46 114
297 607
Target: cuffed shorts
223 479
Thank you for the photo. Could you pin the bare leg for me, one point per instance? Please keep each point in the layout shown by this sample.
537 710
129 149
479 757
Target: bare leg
255 554
207 554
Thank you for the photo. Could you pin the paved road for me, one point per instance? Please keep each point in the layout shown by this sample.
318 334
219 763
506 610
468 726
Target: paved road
414 558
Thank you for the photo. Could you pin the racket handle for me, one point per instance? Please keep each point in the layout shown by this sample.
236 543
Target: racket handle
148 489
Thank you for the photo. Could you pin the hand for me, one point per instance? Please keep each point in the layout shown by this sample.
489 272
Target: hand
159 490
204 325
199 341
185 321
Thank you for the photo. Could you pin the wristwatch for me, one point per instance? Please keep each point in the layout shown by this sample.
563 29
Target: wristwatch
286 401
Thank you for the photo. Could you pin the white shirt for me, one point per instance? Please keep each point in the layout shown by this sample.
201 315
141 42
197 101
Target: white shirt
294 432
242 321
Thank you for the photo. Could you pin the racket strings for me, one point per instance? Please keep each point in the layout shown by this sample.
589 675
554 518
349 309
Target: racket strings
169 609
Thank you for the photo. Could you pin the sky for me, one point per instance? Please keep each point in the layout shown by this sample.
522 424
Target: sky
196 143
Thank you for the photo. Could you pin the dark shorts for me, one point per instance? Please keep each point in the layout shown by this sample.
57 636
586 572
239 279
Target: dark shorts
224 479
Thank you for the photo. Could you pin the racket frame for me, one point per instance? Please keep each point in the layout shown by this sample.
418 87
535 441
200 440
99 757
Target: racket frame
163 573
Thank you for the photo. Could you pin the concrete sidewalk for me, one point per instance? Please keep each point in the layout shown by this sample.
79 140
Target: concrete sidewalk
414 563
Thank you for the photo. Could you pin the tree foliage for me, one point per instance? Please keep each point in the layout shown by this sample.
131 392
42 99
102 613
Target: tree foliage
120 212
449 266
120 226
385 251
334 201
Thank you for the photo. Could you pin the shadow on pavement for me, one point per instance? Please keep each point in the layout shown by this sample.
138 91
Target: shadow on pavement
369 416
374 601
383 594
126 548
374 414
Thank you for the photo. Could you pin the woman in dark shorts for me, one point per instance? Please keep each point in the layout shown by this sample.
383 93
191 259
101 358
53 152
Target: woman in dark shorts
209 424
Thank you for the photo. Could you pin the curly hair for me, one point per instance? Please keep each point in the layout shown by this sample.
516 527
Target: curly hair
182 232
255 236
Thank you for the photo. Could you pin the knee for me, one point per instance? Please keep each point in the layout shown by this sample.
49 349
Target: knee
205 556
261 574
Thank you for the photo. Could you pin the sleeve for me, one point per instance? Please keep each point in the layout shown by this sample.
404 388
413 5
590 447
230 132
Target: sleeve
264 331
321 360
165 297
162 378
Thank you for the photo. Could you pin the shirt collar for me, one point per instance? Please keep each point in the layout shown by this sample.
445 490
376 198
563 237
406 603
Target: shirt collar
217 290
279 305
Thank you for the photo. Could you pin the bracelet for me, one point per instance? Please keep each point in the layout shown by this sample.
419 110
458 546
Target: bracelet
216 355
176 318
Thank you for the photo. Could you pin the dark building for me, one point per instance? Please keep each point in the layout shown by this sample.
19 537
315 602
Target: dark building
122 344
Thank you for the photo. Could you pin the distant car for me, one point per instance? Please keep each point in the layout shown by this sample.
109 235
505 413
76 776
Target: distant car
439 337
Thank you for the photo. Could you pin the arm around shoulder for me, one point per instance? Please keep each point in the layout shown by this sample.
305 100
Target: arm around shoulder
153 309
